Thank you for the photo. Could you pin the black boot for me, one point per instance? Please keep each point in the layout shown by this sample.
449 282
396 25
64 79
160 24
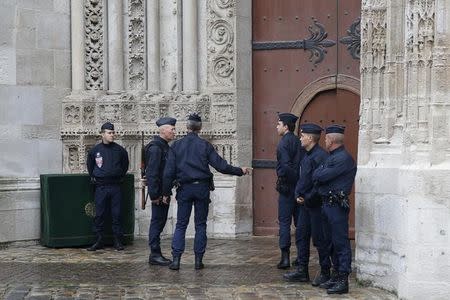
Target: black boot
156 258
323 277
118 244
295 263
300 275
341 286
284 261
175 265
198 262
332 281
98 244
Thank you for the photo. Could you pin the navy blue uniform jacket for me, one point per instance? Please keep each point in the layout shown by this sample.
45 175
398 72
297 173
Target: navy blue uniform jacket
155 159
289 154
305 186
336 174
189 159
107 163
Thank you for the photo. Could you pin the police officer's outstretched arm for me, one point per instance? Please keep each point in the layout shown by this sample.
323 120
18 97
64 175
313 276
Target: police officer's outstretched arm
222 165
154 155
169 173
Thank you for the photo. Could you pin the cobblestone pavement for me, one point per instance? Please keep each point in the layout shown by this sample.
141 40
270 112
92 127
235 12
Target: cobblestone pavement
235 269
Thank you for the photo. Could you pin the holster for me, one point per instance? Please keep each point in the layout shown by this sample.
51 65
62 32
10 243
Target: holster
282 186
211 183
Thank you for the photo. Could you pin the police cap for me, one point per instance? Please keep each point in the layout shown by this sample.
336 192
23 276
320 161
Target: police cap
287 118
335 128
166 121
194 117
311 128
108 126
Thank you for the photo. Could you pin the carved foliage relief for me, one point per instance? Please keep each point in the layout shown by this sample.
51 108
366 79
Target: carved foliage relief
220 30
93 14
136 45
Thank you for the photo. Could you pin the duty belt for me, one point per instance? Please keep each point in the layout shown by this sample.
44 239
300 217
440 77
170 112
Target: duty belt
339 198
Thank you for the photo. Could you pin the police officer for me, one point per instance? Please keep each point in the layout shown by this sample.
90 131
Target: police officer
289 154
188 163
334 181
107 164
309 222
155 158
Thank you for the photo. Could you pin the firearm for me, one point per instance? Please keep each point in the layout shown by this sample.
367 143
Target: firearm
143 166
340 198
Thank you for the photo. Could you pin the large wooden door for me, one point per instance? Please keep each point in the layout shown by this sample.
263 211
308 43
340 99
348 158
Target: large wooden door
296 44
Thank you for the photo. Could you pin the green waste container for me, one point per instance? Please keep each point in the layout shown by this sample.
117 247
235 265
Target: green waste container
68 210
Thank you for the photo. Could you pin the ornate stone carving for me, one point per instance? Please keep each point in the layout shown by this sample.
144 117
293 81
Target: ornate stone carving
419 49
149 112
89 114
203 107
223 109
94 44
225 150
74 158
71 114
373 39
220 42
136 45
129 113
135 113
420 28
108 112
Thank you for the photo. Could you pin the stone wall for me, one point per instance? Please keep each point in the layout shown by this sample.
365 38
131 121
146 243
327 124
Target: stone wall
402 194
34 78
140 60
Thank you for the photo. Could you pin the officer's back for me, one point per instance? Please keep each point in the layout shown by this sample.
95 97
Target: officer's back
189 161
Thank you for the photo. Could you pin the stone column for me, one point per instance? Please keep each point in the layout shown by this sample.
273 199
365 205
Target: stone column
153 42
115 45
77 29
190 45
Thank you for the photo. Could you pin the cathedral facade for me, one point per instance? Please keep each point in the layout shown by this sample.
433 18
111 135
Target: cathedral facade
66 67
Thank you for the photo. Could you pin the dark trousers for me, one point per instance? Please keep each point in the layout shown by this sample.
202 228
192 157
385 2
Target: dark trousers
287 213
309 224
108 196
157 223
188 195
336 236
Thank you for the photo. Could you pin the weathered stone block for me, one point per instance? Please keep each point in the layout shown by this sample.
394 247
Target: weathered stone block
63 69
26 29
20 105
53 31
20 215
46 5
61 6
52 105
35 67
7 24
12 158
7 65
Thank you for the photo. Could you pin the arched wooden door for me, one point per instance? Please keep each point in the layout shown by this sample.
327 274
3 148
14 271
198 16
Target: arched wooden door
341 107
295 44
